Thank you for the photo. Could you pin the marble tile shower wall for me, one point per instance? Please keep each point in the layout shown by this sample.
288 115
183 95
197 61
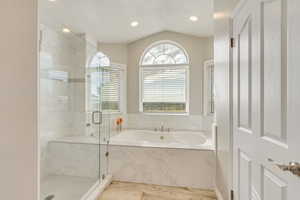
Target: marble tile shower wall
80 117
62 88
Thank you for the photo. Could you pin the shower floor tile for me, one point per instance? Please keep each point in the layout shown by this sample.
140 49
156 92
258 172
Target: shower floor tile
136 191
65 187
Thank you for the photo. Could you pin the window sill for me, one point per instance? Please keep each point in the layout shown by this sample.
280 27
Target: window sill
165 114
112 113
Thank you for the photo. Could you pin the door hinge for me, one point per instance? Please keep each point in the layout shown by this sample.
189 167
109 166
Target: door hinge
232 42
231 195
40 40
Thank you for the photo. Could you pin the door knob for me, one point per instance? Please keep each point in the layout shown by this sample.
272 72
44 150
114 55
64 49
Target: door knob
293 167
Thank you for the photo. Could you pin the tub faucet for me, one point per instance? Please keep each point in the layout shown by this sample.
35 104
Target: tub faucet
162 128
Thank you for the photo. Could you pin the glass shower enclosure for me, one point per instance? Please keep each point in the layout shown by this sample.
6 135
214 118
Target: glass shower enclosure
71 123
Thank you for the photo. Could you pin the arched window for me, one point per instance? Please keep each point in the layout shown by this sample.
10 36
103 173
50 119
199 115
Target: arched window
99 60
104 85
164 53
164 79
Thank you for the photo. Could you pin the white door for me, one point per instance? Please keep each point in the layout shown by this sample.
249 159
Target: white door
266 99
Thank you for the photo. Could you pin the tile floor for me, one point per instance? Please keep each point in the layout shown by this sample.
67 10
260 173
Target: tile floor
136 191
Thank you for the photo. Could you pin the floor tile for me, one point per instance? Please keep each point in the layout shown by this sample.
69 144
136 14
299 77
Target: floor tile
138 191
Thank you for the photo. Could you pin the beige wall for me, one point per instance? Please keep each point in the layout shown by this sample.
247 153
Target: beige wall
18 105
199 50
222 56
116 52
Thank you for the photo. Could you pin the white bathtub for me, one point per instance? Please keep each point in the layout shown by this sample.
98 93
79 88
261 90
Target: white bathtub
146 138
174 139
177 158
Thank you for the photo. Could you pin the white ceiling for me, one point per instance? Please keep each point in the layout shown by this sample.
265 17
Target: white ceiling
109 20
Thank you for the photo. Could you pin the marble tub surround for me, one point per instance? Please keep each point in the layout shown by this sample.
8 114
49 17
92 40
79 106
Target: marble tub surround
162 166
175 122
137 191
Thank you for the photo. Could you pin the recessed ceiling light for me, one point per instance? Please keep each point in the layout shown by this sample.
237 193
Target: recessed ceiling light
66 30
134 24
194 18
52 0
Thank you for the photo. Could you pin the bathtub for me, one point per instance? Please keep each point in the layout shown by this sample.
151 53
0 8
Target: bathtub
147 138
176 158
173 139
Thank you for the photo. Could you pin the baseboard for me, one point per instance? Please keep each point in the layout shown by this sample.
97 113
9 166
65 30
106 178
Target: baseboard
97 189
218 193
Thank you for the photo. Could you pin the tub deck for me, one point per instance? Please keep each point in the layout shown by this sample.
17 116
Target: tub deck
146 138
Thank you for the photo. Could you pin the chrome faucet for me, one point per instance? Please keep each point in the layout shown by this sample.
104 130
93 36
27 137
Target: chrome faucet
162 128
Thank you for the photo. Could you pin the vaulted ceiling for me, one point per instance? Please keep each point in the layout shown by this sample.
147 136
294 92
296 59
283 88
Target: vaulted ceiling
109 20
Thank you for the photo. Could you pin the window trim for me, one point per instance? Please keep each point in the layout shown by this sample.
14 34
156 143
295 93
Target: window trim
207 81
164 66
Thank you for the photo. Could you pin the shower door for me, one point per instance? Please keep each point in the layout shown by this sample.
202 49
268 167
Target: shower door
103 104
98 123
70 112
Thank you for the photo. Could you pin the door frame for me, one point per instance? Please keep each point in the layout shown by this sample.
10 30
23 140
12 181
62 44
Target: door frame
233 44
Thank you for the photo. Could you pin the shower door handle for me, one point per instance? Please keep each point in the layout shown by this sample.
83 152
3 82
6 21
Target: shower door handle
99 121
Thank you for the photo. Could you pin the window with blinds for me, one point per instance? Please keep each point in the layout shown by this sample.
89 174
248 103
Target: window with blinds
164 78
111 90
104 84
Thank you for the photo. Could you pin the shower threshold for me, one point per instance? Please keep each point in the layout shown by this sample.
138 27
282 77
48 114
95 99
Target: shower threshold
56 187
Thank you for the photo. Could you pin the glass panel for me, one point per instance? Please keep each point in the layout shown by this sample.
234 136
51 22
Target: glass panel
180 58
165 53
148 59
100 59
71 124
164 59
157 50
172 50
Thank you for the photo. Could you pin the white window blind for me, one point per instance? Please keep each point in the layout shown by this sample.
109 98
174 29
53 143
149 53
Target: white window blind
164 89
111 90
104 84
